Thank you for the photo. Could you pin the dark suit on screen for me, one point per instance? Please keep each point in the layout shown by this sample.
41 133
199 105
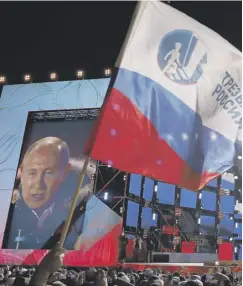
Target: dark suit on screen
25 227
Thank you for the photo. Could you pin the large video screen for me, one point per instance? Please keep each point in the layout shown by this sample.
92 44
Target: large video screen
135 184
188 199
35 193
227 204
132 214
148 189
208 201
149 218
166 193
47 177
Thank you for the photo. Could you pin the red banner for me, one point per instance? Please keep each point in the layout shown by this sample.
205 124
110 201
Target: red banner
226 251
168 229
188 246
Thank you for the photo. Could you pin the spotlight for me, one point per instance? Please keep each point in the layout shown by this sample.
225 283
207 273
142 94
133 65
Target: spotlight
239 157
199 221
235 177
154 216
27 78
80 74
236 225
53 76
2 79
156 188
236 249
200 196
109 166
105 196
107 72
124 178
231 239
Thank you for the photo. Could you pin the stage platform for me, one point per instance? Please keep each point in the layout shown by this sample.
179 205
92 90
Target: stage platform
175 258
183 268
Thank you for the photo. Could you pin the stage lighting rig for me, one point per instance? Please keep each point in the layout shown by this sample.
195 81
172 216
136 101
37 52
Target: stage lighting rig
107 72
2 79
80 74
154 216
53 76
106 196
27 78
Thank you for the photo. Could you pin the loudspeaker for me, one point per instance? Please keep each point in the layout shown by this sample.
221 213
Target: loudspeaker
165 258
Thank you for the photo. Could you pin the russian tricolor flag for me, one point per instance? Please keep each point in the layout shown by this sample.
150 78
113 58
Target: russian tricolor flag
173 112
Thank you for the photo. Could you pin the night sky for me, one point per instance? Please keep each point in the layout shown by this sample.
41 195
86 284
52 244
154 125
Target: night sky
40 37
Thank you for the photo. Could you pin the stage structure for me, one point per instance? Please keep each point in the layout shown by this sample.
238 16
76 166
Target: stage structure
47 179
110 187
182 223
146 206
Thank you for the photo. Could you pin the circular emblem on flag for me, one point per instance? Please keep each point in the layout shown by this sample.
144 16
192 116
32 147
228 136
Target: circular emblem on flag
182 56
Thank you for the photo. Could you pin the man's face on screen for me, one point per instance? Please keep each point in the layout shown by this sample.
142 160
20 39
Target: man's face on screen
42 173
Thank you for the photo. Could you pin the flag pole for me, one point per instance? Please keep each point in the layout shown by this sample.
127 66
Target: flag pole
83 172
74 202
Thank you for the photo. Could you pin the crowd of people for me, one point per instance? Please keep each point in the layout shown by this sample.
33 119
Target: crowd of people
52 272
20 276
